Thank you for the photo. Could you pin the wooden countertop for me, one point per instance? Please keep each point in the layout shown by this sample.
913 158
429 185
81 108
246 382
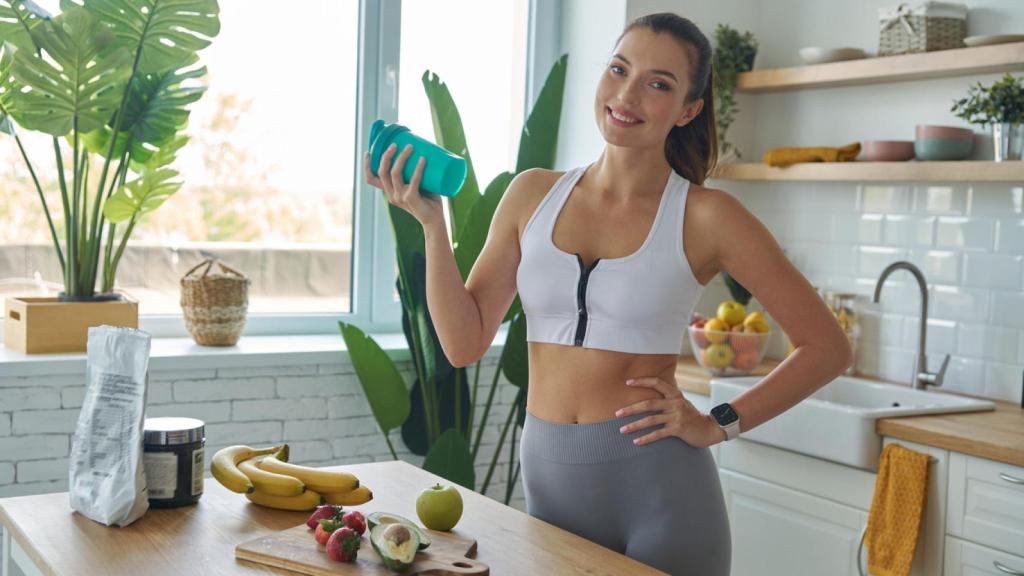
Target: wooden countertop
201 539
996 435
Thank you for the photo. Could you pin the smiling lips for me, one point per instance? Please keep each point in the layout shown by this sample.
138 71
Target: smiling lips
622 118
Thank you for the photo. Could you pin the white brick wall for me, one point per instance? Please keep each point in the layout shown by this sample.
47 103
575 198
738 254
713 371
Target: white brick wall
968 240
319 410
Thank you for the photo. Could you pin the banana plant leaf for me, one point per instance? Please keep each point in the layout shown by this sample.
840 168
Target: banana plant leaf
449 135
539 140
449 457
381 381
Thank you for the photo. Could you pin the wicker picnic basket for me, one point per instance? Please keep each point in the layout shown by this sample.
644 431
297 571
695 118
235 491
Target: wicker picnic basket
214 304
927 27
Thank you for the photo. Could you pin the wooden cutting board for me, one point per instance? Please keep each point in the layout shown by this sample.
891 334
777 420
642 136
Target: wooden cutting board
295 549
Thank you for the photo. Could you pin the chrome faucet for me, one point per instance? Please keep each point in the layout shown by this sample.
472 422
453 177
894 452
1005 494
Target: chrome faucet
922 377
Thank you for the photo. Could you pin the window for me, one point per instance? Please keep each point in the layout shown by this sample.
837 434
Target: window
274 162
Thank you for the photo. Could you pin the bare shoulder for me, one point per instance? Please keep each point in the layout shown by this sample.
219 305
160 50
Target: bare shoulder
527 190
715 220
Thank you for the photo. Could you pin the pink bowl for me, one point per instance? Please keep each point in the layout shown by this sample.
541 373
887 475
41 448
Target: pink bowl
887 150
931 131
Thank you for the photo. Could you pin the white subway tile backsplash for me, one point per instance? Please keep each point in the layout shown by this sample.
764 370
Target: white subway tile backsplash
965 233
856 228
5 424
958 303
872 259
884 329
38 398
224 389
206 411
1003 381
45 421
989 342
997 198
941 198
885 198
6 473
992 270
940 336
835 196
893 364
965 375
283 409
42 470
937 266
34 447
1010 236
1008 309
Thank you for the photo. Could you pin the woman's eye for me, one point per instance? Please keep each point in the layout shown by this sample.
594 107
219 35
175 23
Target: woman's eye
613 67
660 85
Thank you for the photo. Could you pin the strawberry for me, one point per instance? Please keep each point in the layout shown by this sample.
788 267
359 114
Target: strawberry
322 534
355 521
343 545
325 511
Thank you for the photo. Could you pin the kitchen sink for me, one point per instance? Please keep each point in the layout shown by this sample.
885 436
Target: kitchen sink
837 422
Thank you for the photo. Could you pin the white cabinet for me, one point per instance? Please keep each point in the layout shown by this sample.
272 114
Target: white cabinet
986 503
795 514
777 530
967 559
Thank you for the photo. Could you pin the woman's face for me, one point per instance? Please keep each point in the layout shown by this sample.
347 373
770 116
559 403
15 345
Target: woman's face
646 79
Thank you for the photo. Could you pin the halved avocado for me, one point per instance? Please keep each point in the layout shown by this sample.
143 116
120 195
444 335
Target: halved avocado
376 518
396 543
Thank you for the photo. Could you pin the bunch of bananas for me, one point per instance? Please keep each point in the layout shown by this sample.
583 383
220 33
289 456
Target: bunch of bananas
266 478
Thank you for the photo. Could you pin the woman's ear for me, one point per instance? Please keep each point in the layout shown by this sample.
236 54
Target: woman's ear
690 112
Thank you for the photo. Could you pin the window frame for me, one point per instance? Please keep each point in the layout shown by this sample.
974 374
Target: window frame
373 265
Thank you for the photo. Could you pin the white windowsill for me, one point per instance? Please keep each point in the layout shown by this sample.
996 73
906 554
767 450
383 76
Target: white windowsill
251 351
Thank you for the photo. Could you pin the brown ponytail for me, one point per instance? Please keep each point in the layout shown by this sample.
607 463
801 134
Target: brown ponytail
691 150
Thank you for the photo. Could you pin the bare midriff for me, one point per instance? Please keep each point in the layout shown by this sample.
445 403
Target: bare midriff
580 385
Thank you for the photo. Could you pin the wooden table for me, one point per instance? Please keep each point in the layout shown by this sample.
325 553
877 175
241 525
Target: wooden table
43 532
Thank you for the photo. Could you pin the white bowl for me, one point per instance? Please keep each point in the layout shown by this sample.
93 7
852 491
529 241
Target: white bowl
819 55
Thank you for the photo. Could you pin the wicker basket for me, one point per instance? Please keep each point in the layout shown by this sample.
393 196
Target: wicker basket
928 27
214 304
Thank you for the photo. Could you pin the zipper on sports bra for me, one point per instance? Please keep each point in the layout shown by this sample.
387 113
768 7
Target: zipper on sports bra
581 299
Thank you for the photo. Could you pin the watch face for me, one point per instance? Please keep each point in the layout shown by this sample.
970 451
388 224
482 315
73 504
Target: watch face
724 414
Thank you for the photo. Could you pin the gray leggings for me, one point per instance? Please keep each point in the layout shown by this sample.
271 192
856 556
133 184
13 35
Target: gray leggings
660 503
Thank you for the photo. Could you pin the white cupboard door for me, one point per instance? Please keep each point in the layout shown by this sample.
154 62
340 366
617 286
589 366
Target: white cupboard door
968 559
986 502
779 531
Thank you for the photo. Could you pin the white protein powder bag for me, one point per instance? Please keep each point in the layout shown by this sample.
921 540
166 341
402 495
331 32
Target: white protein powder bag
107 481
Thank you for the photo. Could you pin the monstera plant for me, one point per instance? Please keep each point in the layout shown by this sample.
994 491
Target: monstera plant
110 82
437 413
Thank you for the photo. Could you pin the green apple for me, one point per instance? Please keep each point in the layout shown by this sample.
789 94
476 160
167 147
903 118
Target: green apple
439 507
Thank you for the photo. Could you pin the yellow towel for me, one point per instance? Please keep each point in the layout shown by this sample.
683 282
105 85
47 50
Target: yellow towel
787 156
896 511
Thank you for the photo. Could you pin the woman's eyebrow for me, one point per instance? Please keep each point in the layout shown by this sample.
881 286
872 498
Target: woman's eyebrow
662 72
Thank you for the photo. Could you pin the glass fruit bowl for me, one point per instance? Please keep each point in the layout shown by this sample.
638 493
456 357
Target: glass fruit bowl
734 353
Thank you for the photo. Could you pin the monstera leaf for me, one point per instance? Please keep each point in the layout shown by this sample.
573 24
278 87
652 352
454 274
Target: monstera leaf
17 19
156 108
6 88
74 87
147 192
161 34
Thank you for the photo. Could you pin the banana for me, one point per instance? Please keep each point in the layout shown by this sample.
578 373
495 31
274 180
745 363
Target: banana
360 495
224 465
270 482
308 500
316 479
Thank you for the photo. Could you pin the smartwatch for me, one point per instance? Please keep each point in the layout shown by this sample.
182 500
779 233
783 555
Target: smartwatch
727 419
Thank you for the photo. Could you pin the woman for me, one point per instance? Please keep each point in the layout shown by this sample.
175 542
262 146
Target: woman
609 260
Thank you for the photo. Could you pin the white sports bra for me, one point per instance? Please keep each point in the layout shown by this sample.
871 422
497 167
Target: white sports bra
639 303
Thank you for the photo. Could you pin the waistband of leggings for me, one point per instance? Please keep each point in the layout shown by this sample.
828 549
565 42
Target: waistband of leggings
587 443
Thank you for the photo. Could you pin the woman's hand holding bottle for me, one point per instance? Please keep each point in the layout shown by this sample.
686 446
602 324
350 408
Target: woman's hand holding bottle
424 206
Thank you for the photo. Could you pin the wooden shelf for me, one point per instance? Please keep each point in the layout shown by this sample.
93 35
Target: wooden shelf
939 64
912 171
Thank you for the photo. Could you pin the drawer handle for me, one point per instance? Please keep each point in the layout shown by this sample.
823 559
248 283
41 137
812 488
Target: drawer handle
1009 478
1006 569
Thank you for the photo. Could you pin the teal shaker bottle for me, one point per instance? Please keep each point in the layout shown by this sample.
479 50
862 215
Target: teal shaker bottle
444 172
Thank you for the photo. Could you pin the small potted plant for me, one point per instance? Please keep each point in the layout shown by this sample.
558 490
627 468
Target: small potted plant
1002 106
110 83
734 53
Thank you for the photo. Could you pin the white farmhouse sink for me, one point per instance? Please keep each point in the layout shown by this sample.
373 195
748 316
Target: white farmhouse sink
837 422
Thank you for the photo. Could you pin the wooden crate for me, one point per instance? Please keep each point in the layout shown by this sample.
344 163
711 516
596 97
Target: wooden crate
41 325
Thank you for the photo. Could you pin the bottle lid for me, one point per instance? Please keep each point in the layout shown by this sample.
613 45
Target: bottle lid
172 431
380 133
